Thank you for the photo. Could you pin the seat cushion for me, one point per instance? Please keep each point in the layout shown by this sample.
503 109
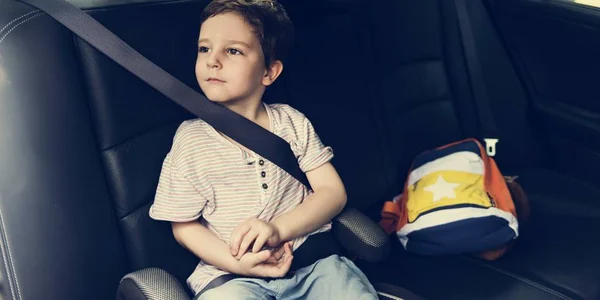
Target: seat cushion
554 258
556 247
134 124
356 139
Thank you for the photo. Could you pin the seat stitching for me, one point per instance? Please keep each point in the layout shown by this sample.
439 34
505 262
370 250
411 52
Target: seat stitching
21 17
10 269
22 22
5 245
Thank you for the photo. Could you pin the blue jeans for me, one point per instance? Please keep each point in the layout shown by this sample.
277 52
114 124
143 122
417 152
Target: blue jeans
334 277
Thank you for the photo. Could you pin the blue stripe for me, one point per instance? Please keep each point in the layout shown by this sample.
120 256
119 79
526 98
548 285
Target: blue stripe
465 236
429 156
460 205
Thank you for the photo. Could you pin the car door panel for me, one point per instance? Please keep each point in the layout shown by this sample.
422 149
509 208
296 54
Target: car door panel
555 45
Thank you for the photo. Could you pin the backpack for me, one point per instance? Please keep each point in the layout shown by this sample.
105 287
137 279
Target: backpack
456 201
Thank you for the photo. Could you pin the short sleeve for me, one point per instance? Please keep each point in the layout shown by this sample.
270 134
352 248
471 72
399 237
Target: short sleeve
182 192
176 199
313 153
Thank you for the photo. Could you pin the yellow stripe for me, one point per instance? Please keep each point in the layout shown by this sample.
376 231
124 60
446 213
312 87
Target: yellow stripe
445 188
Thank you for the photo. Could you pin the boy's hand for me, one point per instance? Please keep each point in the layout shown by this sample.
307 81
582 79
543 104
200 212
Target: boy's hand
266 263
254 231
279 253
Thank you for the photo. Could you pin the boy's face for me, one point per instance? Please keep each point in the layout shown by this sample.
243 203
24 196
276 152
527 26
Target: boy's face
230 64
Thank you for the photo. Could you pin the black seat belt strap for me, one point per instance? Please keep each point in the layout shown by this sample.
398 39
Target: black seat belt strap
242 130
479 91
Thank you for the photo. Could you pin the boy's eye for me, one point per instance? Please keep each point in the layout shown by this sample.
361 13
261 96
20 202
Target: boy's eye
203 49
234 51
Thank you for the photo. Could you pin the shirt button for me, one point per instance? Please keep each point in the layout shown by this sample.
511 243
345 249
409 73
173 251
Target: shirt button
265 186
261 162
263 174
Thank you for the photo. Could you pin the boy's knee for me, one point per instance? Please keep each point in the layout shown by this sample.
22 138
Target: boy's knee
335 262
342 275
333 269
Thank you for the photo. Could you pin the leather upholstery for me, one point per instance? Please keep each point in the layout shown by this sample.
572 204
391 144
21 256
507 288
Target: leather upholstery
82 143
556 245
135 124
337 84
555 257
550 259
60 236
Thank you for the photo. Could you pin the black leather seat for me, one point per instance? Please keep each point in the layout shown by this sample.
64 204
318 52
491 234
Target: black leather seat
82 142
424 80
555 257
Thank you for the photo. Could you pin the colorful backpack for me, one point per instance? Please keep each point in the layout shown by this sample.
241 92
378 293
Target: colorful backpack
456 201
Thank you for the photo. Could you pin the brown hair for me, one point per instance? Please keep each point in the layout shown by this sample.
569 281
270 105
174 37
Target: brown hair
268 18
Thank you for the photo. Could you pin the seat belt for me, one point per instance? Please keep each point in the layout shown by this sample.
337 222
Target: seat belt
237 127
489 134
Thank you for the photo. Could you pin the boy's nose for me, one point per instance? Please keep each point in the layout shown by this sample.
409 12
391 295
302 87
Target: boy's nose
213 62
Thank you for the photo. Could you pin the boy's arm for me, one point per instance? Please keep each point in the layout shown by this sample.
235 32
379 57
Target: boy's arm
327 201
198 239
210 249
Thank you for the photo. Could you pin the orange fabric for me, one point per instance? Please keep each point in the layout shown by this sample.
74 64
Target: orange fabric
403 220
403 214
456 143
520 200
495 184
389 217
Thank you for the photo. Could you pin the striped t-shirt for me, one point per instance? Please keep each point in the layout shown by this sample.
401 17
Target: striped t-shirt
205 175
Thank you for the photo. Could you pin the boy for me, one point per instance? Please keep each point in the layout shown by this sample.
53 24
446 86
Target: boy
252 214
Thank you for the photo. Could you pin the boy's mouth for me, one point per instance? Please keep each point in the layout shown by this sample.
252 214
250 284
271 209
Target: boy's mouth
214 80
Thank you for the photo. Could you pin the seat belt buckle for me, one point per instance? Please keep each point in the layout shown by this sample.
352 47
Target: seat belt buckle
490 146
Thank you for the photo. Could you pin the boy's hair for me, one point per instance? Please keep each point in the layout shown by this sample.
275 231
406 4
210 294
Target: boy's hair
268 18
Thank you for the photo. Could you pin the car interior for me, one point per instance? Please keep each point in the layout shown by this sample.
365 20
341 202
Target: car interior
82 140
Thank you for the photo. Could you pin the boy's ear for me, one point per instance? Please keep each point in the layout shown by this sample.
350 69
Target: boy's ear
272 72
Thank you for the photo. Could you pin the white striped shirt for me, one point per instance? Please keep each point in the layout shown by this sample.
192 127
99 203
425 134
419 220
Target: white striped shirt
205 175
